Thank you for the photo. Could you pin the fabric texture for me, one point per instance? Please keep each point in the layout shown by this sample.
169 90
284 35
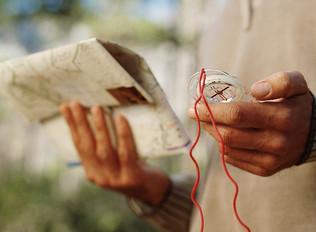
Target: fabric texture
309 153
175 212
281 37
252 39
311 145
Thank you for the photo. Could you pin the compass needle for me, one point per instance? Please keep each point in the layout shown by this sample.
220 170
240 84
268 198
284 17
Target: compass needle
220 87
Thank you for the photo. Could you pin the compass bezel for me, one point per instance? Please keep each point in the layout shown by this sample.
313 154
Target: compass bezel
217 76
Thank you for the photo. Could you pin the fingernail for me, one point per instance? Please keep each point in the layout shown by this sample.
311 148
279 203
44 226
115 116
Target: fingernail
261 89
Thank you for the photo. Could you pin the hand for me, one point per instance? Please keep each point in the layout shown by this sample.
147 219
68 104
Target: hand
113 169
269 135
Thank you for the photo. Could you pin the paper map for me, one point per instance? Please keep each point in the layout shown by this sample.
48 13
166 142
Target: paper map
94 72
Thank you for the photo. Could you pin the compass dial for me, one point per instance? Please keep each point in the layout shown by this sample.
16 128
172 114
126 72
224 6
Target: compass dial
219 92
220 87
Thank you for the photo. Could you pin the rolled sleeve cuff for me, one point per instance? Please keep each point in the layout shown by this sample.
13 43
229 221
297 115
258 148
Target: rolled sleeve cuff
309 154
174 213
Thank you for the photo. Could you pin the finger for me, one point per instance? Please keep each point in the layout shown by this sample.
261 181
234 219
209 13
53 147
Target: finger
263 160
250 139
126 147
105 150
66 112
87 145
259 171
246 114
280 85
239 115
233 137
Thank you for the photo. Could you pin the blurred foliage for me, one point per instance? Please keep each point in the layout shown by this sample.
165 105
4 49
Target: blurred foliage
15 9
117 20
37 203
141 31
31 203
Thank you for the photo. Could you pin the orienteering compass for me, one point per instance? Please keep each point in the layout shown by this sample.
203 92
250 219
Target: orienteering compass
220 87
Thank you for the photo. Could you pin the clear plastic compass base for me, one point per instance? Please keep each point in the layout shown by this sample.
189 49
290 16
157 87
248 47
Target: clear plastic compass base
220 87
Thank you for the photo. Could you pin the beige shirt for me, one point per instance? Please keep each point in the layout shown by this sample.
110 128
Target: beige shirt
252 39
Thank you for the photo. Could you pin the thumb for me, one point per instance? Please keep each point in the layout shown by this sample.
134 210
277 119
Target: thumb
280 85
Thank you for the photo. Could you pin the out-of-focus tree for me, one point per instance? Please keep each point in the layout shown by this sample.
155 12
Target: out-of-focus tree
30 202
35 203
120 20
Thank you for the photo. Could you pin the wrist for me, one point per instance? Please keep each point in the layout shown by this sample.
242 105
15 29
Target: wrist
157 187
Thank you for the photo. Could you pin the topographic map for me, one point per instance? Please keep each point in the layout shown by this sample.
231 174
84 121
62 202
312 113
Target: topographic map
95 73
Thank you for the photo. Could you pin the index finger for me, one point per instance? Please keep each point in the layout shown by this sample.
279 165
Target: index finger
243 114
126 147
102 134
65 110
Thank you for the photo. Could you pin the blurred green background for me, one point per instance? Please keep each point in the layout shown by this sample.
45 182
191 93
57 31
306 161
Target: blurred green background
38 193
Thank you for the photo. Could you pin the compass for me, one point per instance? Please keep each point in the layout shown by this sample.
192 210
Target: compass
220 87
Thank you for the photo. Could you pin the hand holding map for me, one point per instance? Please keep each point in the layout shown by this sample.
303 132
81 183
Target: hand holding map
94 72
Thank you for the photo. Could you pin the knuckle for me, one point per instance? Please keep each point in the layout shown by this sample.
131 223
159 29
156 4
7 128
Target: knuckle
124 133
102 155
86 148
281 145
104 152
98 127
235 114
285 119
264 172
287 115
123 154
81 120
261 141
227 135
284 81
271 163
269 118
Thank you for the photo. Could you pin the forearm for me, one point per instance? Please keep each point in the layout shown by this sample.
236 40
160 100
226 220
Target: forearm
174 213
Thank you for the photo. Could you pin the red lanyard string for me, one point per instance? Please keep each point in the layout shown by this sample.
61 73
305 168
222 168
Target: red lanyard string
224 166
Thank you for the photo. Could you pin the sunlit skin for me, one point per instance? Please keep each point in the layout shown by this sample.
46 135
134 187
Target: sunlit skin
116 169
264 137
261 138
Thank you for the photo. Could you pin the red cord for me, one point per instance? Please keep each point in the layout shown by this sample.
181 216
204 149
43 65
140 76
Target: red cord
198 173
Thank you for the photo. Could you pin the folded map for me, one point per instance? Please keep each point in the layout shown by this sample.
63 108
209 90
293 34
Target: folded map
94 72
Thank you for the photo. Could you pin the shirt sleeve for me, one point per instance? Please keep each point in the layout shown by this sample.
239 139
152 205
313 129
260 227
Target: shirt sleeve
174 213
309 154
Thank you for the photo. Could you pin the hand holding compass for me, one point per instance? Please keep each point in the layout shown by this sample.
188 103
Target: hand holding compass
264 136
